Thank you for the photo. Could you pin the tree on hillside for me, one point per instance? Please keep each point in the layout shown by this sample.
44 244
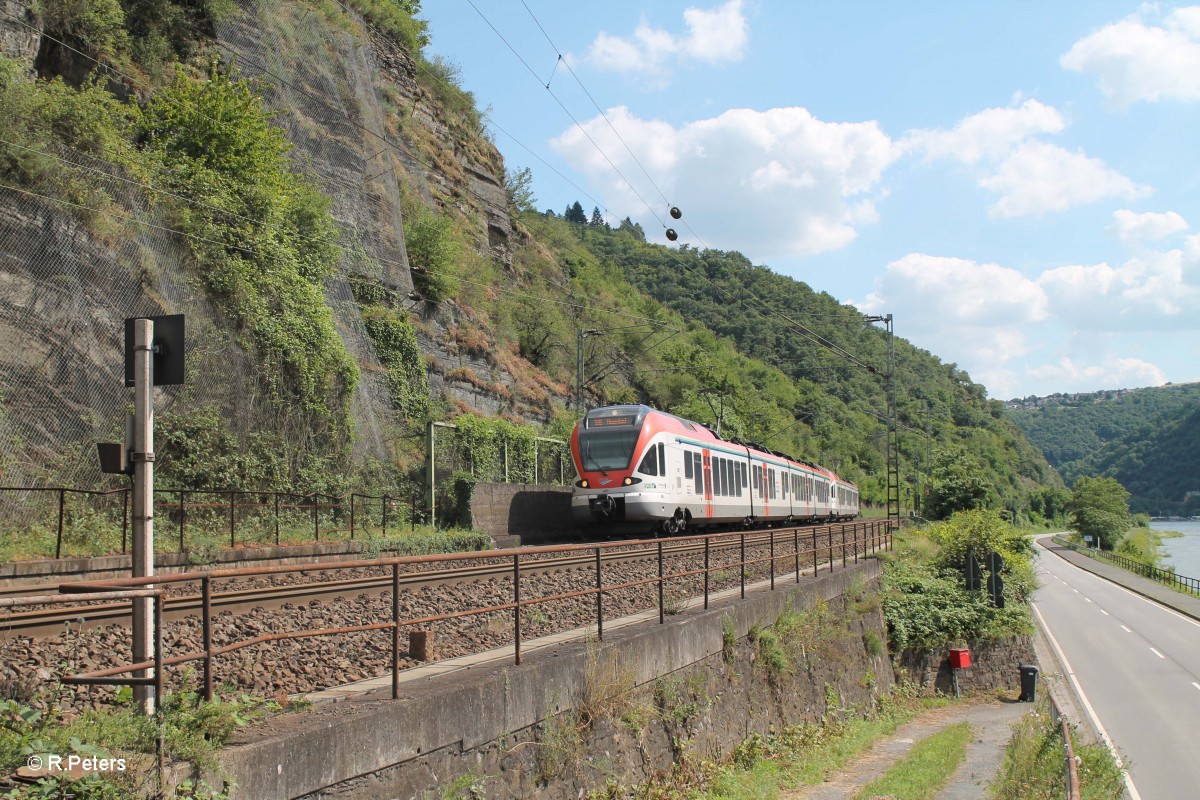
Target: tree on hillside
519 188
1099 508
576 214
957 483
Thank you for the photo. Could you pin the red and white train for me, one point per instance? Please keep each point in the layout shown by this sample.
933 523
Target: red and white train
647 469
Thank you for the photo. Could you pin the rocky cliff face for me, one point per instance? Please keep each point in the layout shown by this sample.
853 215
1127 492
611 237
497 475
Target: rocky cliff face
376 142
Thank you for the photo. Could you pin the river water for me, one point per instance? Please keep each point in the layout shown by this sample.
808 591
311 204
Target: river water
1183 552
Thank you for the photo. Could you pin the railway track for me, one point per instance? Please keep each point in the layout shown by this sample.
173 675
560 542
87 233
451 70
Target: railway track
51 620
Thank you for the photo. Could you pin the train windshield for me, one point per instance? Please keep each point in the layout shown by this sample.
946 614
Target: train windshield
603 449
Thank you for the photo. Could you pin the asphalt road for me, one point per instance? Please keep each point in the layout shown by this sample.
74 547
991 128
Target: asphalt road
1136 667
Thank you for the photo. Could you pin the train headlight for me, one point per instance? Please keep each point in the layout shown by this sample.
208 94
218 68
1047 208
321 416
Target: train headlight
583 484
628 481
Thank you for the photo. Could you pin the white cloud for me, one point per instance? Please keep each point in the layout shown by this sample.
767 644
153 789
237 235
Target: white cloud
1039 177
1001 147
1010 331
939 291
1154 291
1134 228
1135 59
714 36
772 183
976 315
991 134
1114 373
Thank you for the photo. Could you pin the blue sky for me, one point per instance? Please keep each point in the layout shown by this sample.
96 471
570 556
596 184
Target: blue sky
1017 183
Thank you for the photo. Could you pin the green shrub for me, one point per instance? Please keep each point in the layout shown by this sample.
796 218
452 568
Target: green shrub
97 27
263 239
926 602
433 253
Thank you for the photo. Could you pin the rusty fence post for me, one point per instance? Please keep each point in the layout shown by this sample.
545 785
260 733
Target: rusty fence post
233 518
829 529
206 633
62 501
662 612
395 630
707 543
814 549
158 652
599 598
843 532
124 520
316 501
796 550
743 565
517 607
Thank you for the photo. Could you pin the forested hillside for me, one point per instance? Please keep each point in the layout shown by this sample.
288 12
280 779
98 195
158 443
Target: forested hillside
326 205
1148 439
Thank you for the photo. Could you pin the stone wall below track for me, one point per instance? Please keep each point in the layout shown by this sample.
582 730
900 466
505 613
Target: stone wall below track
581 715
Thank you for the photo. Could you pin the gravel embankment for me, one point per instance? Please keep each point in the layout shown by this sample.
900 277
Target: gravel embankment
280 668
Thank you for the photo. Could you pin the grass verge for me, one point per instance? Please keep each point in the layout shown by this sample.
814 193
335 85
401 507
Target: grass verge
1033 763
926 768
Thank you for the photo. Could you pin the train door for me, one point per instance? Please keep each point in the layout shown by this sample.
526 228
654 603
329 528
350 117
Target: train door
674 473
708 485
766 491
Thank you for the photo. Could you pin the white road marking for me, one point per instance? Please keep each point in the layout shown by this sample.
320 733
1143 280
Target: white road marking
1126 629
1160 655
1088 599
1197 685
1105 613
1087 706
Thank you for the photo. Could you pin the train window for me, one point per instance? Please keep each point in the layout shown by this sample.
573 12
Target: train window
726 479
662 459
698 473
687 465
649 465
772 485
755 474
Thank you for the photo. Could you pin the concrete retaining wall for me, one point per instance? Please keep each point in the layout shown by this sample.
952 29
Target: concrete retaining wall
551 728
533 512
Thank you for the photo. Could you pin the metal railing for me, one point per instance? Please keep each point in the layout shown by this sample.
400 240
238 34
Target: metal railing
1165 576
801 548
355 513
1070 762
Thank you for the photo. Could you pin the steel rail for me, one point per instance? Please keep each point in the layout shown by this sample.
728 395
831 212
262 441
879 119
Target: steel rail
869 536
48 621
44 621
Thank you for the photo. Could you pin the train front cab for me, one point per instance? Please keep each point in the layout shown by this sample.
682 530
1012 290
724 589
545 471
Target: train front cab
625 473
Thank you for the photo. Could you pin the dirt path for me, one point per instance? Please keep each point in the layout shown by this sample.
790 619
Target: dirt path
991 722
